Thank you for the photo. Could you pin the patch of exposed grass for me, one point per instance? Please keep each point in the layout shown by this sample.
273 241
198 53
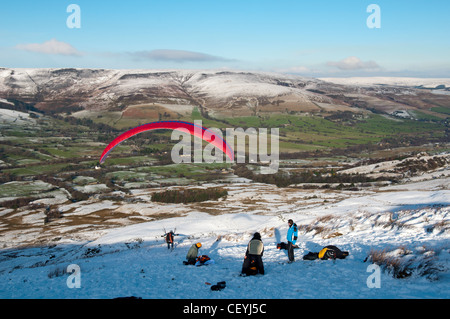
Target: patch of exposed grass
403 262
441 109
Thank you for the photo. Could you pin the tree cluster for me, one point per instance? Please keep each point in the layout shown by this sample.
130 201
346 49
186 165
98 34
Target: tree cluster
189 195
283 179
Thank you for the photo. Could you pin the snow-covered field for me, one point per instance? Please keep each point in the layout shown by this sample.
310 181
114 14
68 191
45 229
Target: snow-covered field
408 221
397 81
16 117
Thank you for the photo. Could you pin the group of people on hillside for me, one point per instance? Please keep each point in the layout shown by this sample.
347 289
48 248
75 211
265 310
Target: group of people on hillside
253 263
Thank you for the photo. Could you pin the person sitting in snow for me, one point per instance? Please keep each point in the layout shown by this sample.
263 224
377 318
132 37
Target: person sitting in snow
253 263
192 254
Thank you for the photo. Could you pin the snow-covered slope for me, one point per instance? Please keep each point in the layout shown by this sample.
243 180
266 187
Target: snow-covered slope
434 165
16 117
410 221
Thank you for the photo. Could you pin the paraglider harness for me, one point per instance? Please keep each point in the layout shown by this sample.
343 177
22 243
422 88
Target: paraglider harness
252 270
169 237
328 252
202 259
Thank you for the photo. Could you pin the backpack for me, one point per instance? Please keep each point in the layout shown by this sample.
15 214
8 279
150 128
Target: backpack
252 270
219 286
203 258
332 252
169 237
328 252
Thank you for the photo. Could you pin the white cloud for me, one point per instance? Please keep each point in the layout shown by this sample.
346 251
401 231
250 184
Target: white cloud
295 69
176 56
354 63
52 46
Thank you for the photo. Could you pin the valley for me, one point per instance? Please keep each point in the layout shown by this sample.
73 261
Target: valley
347 151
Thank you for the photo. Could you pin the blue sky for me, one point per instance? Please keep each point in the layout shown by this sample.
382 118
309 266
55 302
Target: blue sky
313 38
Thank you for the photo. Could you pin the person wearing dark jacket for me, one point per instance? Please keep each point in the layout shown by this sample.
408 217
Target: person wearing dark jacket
292 236
253 263
169 238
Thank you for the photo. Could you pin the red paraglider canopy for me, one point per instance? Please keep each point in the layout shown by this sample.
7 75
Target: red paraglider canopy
192 128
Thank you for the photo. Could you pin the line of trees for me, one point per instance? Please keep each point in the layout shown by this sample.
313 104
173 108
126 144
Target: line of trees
283 179
189 195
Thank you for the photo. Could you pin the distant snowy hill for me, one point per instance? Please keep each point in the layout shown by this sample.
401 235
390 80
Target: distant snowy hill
396 81
223 93
100 89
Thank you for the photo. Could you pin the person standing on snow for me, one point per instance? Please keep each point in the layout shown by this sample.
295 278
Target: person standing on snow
291 237
169 238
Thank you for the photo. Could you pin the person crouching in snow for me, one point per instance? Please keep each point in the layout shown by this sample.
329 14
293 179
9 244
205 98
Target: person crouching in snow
192 254
291 237
253 263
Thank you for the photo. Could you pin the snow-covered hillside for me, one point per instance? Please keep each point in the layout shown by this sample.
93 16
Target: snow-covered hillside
409 222
102 89
16 117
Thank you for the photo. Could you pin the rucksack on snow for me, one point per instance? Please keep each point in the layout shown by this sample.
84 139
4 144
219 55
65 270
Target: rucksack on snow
328 252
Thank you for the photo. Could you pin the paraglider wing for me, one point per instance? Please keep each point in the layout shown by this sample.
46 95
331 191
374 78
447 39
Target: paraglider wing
192 128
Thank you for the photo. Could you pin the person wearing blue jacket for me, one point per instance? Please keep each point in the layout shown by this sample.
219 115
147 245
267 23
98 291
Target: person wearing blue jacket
292 236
